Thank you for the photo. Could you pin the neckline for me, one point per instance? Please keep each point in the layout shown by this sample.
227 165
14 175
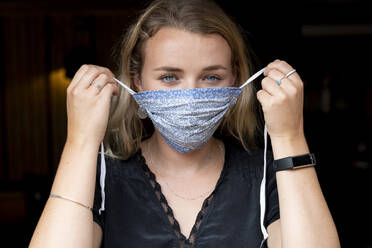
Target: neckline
205 206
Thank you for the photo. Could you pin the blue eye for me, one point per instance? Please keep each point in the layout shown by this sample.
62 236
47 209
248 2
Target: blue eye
168 78
212 78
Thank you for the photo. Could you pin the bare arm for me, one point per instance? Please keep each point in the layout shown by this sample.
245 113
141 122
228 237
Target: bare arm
64 223
275 235
97 235
305 220
75 178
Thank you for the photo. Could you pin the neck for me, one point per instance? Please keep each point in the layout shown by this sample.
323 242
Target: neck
174 163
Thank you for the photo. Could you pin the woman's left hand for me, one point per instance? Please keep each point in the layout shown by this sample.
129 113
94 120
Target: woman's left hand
282 104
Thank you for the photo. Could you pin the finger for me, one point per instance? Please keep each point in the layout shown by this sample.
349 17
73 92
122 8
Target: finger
276 75
271 87
279 76
287 85
92 73
107 91
115 87
98 83
284 68
78 75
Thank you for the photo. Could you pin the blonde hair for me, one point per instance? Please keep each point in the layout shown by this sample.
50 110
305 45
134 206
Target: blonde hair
125 130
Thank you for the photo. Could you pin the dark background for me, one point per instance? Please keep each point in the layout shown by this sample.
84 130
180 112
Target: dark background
42 43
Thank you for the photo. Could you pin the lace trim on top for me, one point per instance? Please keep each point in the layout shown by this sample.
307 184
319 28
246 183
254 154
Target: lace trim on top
184 242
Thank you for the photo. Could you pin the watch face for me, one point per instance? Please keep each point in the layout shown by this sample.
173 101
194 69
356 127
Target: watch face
303 160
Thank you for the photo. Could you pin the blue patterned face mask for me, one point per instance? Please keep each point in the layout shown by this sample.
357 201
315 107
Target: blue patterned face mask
187 119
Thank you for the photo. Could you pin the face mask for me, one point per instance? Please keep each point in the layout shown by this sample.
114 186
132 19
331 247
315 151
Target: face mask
187 119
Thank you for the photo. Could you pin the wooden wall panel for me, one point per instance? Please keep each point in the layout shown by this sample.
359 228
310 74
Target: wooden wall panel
97 34
109 30
25 96
3 153
67 32
35 82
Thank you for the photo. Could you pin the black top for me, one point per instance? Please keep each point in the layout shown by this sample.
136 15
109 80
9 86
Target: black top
138 215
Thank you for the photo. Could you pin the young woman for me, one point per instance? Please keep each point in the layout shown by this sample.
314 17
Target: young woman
171 176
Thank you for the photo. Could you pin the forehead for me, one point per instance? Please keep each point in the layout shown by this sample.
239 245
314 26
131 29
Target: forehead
176 47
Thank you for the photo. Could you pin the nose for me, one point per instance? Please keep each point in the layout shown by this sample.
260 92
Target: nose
190 83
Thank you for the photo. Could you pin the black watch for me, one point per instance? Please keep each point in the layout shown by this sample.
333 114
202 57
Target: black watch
295 162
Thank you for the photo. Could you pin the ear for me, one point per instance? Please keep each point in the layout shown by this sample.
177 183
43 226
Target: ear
137 83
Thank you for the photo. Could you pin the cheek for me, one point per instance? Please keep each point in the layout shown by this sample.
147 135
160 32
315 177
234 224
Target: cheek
146 87
227 84
146 83
230 82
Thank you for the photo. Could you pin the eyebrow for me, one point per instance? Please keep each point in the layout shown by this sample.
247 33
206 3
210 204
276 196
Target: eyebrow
175 69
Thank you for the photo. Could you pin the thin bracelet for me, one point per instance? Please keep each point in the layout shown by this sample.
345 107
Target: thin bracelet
65 198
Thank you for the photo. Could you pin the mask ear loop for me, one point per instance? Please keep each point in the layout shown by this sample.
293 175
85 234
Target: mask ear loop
132 92
253 77
263 193
263 182
103 162
102 179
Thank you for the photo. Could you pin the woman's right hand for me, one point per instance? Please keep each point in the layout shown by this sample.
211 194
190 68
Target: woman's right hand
88 106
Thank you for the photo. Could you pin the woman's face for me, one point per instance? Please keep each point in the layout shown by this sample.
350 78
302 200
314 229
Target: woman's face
178 59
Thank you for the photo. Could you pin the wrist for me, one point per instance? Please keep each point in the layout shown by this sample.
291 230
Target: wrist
289 146
82 145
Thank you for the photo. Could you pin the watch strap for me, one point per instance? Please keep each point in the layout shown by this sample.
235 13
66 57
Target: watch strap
294 162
